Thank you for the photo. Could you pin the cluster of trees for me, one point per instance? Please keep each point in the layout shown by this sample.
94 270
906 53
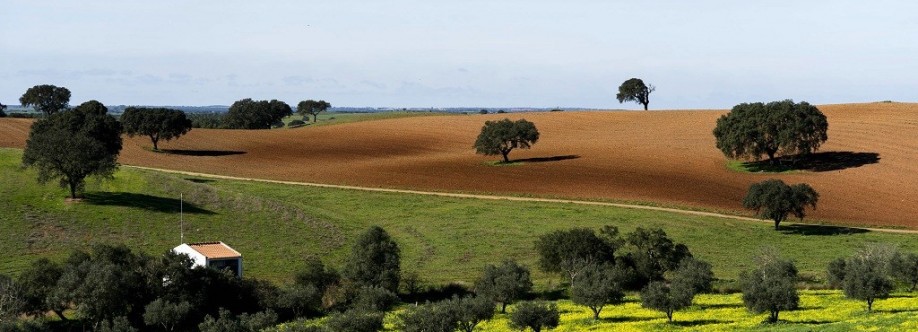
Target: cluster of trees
501 137
256 114
111 288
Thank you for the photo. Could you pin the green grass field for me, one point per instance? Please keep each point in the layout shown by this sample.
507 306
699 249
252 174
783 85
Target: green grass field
444 239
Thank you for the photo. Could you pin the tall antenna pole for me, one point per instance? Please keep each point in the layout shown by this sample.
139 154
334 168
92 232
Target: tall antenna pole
182 217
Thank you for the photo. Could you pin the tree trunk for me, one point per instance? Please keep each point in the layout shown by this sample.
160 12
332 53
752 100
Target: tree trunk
777 222
73 186
155 142
774 316
645 105
869 305
596 312
771 156
315 117
60 314
669 316
505 153
503 307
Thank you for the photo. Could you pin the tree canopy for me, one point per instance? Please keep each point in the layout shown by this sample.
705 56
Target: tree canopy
501 137
570 251
659 296
504 283
252 114
773 199
155 123
72 145
751 130
770 286
48 99
596 286
374 260
635 90
312 107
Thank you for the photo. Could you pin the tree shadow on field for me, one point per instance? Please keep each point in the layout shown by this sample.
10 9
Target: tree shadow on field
142 201
196 180
721 306
691 323
820 230
546 159
625 319
809 322
202 153
815 162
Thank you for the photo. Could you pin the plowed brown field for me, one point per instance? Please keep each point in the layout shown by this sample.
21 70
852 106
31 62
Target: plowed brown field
666 157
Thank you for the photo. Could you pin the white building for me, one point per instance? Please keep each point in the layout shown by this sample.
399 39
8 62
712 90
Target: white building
215 255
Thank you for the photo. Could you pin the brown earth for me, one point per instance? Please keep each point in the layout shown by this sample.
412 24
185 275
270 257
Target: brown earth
667 157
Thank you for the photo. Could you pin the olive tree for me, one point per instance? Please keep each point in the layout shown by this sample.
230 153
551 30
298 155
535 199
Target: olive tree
374 260
155 123
751 130
312 107
570 251
635 90
773 199
770 286
654 253
867 275
46 98
905 269
72 145
166 314
535 315
501 137
596 287
659 296
504 283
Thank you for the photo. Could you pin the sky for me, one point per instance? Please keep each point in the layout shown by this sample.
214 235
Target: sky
698 54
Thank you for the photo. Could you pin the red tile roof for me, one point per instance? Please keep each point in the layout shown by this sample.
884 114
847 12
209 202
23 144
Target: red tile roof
215 250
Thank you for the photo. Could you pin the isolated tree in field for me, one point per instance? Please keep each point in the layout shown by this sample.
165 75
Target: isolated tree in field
773 199
781 127
867 275
905 269
501 137
595 287
47 99
312 107
770 286
635 90
655 253
504 283
569 251
72 145
252 114
155 123
659 296
374 260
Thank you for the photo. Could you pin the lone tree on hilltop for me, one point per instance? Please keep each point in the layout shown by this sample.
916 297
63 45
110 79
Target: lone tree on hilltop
374 260
71 145
773 199
504 283
501 137
48 99
770 286
635 90
2 108
312 107
785 127
156 123
252 114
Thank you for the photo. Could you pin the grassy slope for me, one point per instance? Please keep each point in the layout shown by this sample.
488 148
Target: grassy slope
445 239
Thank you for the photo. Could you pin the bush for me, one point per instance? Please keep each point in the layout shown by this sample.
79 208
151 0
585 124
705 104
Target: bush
430 317
296 123
356 321
374 298
535 315
374 260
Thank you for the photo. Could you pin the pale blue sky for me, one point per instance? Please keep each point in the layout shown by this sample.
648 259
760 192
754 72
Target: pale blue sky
699 54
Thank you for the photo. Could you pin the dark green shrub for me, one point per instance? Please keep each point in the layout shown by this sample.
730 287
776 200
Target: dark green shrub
535 315
356 321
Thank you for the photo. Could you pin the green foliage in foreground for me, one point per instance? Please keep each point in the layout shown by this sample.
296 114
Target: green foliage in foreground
441 239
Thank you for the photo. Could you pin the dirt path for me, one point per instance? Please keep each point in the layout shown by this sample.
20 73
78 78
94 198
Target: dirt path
506 198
